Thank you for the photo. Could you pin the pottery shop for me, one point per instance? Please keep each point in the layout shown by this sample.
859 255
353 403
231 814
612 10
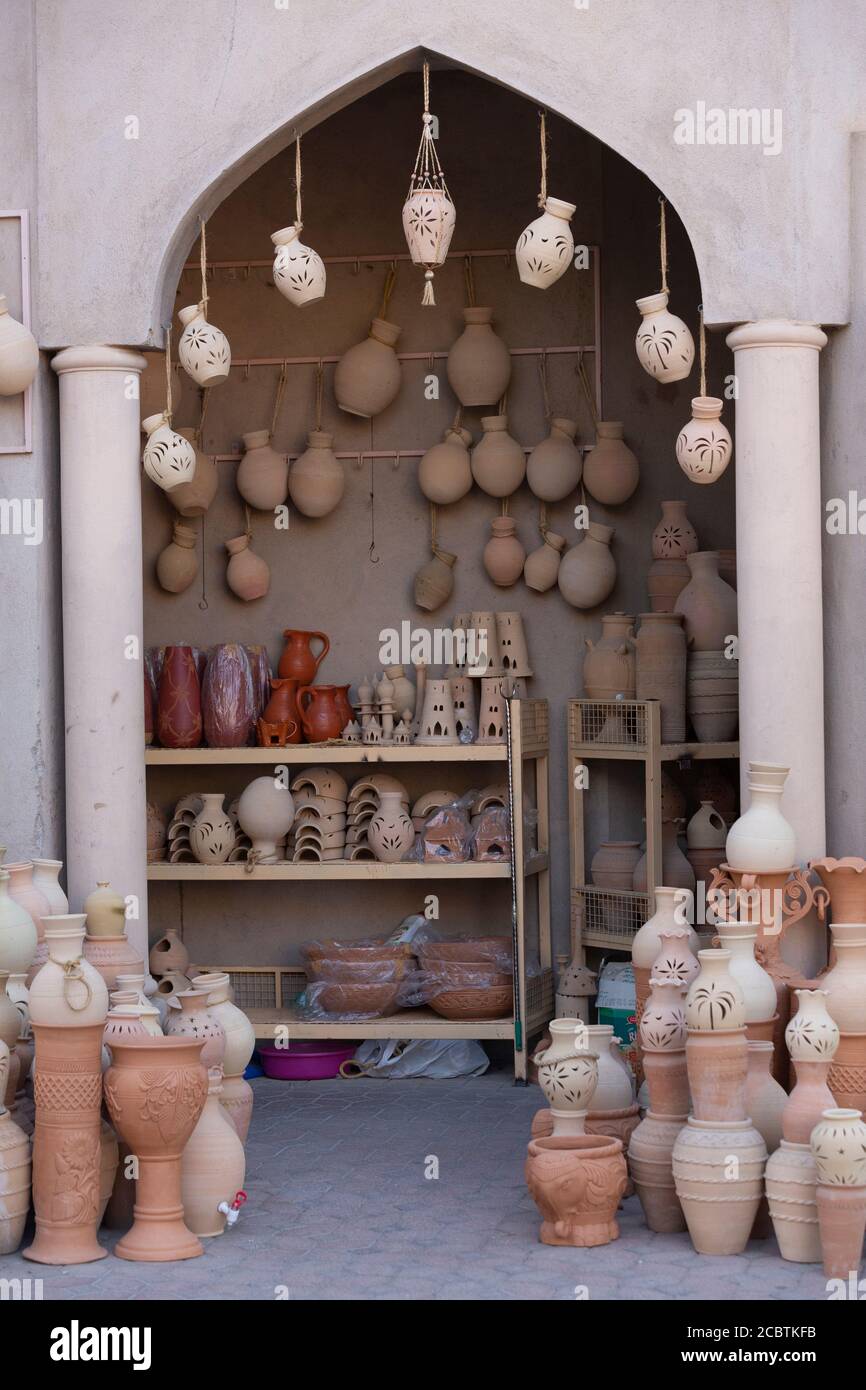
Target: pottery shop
423 656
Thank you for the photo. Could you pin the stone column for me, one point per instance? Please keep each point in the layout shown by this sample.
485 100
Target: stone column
779 531
103 625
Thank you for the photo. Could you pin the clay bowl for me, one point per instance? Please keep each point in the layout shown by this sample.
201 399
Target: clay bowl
372 1000
474 1003
482 948
467 974
338 970
336 950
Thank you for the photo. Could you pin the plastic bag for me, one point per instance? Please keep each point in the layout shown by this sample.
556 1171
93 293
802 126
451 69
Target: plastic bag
260 667
227 699
351 1001
446 835
437 1058
491 835
361 972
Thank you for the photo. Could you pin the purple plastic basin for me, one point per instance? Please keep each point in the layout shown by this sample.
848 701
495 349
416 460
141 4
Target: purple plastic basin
305 1061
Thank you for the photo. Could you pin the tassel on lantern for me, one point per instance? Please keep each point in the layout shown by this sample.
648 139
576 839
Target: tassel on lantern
428 212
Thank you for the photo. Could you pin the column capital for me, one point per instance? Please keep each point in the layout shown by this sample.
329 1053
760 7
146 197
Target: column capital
97 358
764 333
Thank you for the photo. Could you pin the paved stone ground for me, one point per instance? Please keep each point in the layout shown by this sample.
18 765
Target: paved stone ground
339 1208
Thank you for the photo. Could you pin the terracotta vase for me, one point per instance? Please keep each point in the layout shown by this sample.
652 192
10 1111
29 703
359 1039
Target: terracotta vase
321 718
228 707
498 461
15 1183
262 475
105 911
839 1148
265 813
664 345
177 564
611 472
712 695
194 498
178 712
677 872
504 555
367 377
282 710
666 580
390 834
674 908
212 1166
19 930
808 1100
298 660
758 989
577 1182
445 471
720 1199
155 1091
434 581
542 565
554 467
247 574
674 536
650 1160
587 573
212 834
704 445
765 1099
203 350
660 670
762 841
613 864
237 1095
708 604
545 248
790 1181
111 956
193 1019
813 1038
19 354
609 664
317 480
168 954
845 881
479 363
344 704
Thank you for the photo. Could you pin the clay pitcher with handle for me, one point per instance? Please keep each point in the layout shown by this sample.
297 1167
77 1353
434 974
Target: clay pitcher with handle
282 707
298 661
321 714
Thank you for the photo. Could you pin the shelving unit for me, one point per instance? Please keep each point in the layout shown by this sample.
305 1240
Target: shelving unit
269 993
624 731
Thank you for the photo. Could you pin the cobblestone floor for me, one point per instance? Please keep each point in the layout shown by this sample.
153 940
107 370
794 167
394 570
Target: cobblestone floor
340 1208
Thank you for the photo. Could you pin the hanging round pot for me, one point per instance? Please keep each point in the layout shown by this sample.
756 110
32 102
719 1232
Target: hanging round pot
587 573
542 566
611 471
434 581
445 472
168 458
262 473
545 249
177 565
247 574
479 363
664 344
554 466
203 350
19 354
194 498
704 445
367 377
299 272
316 479
504 555
498 461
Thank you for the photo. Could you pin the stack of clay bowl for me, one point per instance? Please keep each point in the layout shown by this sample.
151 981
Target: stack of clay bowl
243 843
185 812
468 979
362 807
492 836
366 979
318 833
430 802
157 833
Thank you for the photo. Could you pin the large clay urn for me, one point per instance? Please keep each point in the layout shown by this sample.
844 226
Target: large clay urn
227 699
609 663
479 363
587 573
708 604
791 1179
611 471
317 480
155 1091
554 467
845 881
19 931
194 498
212 1166
660 666
719 1198
762 841
613 864
577 1182
445 472
839 1149
237 1094
498 461
178 711
262 474
298 660
367 377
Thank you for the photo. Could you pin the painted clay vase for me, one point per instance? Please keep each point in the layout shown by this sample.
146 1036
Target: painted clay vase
321 718
282 709
839 1149
677 872
479 363
577 1181
650 1161
790 1180
168 954
664 345
168 458
845 881
708 604
720 1199
112 956
704 445
212 835
155 1091
190 1017
498 461
674 909
178 709
367 377
298 661
194 498
227 702
262 476
765 1098
177 564
434 581
674 536
46 873
542 565
812 1037
237 1095
545 248
613 864
712 695
105 911
554 467
247 574
445 471
203 350
19 933
609 666
611 471
504 555
716 1049
212 1166
390 834
706 829
758 989
265 813
762 841
316 479
15 1179
19 354
587 573
666 580
715 1001
299 272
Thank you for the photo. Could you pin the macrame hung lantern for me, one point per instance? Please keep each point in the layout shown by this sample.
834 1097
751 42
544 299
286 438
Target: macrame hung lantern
704 445
299 272
428 212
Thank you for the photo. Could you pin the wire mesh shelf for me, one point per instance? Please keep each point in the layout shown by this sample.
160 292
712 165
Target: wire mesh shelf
610 918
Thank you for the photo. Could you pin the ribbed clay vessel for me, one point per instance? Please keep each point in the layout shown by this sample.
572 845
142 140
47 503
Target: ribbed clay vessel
660 661
719 1199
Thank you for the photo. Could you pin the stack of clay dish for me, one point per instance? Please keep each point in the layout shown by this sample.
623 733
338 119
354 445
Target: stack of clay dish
180 826
157 834
236 1097
429 802
366 979
463 989
839 1148
758 989
364 800
706 833
318 831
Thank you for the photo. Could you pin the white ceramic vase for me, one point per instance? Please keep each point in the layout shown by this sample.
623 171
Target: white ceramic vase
299 272
19 354
203 349
715 1002
665 347
266 811
762 841
704 445
812 1034
168 458
545 248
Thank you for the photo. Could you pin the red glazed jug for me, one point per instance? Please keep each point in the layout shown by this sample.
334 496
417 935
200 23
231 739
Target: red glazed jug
344 705
282 708
320 712
298 661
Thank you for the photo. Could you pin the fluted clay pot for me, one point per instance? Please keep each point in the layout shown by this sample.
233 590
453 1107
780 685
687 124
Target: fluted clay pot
542 565
498 461
106 911
712 695
577 1182
660 670
613 864
445 471
194 498
765 1099
587 573
262 474
611 472
720 1200
674 536
15 1182
609 663
650 1159
177 565
168 953
194 1020
367 377
212 1166
554 467
155 1091
845 881
479 363
434 581
664 344
247 574
237 1096
708 604
762 841
19 933
504 555
317 480
178 710
666 580
839 1148
790 1180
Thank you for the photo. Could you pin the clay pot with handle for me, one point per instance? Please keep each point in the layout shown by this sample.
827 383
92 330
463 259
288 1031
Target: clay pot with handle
321 714
298 661
282 707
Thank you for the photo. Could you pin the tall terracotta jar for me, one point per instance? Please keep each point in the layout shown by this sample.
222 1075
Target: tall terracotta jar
445 472
237 1094
479 363
662 1046
720 1199
504 555
68 1007
716 1050
708 604
650 1157
367 377
791 1179
177 564
298 660
839 1149
212 1166
15 1180
660 662
262 476
498 461
178 713
609 664
155 1091
554 467
317 480
24 892
542 565
228 708
576 1182
247 574
762 841
19 937
194 498
845 881
587 574
611 472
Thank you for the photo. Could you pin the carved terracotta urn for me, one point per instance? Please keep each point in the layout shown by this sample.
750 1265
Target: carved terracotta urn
576 1182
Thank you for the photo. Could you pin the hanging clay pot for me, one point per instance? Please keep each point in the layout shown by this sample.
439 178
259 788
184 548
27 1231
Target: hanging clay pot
202 349
227 697
845 881
660 670
237 1096
105 911
317 480
19 354
367 378
718 1171
674 536
504 555
708 604
434 581
429 218
609 663
839 1148
577 1181
390 834
479 363
587 573
262 476
611 471
212 1166
554 466
765 1098
247 574
545 248
299 272
168 459
445 471
298 661
178 712
265 813
498 461
762 841
212 835
177 565
20 930
194 498
704 445
542 565
677 872
664 345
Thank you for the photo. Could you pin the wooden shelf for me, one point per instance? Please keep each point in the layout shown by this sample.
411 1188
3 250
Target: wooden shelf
329 753
407 1023
337 871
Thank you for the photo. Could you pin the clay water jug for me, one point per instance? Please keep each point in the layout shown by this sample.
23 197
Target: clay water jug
434 581
674 536
299 272
212 834
282 708
19 354
504 555
344 704
262 476
609 664
194 498
554 466
542 565
706 829
247 574
660 670
316 480
227 697
479 363
708 604
762 841
20 928
320 713
445 471
390 834
203 350
298 660
611 471
545 248
212 1166
664 345
178 710
367 378
177 565
498 461
46 873
587 573
704 445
